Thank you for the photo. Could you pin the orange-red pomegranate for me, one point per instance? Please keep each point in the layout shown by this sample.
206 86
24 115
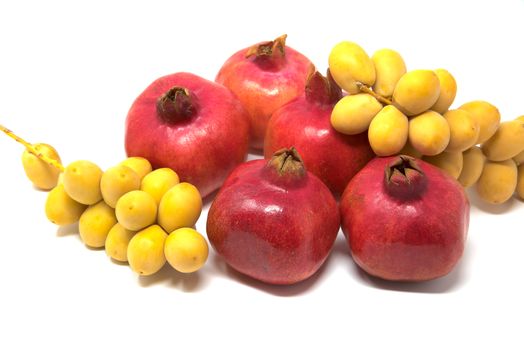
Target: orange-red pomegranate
264 77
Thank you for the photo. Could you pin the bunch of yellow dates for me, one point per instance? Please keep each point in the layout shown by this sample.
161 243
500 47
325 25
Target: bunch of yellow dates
143 216
408 112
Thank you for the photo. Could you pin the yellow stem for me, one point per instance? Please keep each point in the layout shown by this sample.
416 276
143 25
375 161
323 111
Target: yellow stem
367 90
32 149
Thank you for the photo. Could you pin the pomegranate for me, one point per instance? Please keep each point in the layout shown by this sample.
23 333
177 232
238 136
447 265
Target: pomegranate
189 124
404 219
264 77
274 221
305 124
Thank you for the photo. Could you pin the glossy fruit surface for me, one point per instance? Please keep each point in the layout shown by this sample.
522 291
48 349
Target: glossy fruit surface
486 115
305 124
389 68
274 221
395 223
181 206
507 142
186 250
264 77
95 223
41 174
82 182
117 181
353 113
189 124
350 65
145 251
498 181
463 130
449 162
158 182
448 91
416 91
136 210
61 209
117 241
139 165
472 165
429 133
388 131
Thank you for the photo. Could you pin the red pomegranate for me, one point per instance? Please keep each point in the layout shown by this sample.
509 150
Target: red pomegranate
274 221
305 124
405 219
189 124
264 77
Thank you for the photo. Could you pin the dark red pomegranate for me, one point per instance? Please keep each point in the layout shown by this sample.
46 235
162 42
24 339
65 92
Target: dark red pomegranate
274 221
264 77
189 124
405 219
305 124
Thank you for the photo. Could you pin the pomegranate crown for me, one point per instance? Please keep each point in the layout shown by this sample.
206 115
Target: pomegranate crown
176 104
287 162
322 89
404 178
269 48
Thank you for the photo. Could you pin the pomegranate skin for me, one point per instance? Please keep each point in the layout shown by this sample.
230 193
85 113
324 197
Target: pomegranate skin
263 84
413 236
333 157
273 229
202 148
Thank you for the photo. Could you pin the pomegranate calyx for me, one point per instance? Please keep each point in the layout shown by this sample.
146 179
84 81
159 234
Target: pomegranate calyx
404 178
176 104
269 48
287 161
322 89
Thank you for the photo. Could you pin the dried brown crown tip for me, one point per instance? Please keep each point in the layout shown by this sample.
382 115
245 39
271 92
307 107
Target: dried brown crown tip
177 103
269 48
404 166
287 161
404 178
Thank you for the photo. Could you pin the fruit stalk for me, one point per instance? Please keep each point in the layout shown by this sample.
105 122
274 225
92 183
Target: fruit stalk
32 148
366 89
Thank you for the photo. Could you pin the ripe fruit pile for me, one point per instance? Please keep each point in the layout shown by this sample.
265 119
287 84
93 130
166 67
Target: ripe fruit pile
407 112
129 209
277 220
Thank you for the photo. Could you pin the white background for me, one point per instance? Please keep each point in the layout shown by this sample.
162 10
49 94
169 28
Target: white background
69 72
